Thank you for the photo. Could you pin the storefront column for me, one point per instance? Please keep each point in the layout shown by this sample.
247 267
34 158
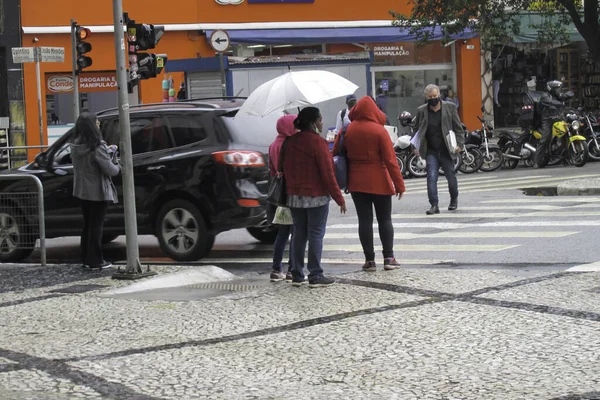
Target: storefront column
468 64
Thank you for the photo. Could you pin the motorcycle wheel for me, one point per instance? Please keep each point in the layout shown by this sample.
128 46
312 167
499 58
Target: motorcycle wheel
414 169
457 163
493 161
593 151
509 163
401 164
578 154
472 159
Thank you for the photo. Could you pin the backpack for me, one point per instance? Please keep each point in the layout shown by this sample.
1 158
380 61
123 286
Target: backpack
340 164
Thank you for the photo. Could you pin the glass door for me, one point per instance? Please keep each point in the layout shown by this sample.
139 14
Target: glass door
399 89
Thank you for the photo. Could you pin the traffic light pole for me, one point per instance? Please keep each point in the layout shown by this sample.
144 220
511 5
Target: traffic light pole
134 268
75 72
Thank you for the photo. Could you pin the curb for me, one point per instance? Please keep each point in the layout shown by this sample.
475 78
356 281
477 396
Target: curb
579 187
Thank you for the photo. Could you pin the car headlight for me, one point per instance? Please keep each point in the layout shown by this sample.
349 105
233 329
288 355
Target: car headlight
575 125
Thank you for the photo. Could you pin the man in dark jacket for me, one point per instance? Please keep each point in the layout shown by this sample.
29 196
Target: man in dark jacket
440 138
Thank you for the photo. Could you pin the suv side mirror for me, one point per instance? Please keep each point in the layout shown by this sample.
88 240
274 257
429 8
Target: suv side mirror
40 160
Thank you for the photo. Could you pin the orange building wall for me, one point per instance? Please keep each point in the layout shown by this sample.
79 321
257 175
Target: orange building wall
59 12
469 81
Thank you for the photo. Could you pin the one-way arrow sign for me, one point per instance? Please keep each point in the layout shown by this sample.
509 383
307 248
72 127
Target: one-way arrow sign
219 41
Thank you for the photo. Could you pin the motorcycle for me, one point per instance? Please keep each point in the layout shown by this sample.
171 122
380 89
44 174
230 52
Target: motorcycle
415 165
517 147
567 144
492 155
590 128
472 158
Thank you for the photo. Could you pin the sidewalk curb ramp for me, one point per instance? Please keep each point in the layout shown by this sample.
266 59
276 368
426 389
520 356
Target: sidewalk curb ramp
579 187
204 274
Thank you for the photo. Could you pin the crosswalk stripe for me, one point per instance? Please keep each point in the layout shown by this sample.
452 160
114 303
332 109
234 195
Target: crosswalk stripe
465 182
493 186
456 215
462 234
539 207
544 199
458 225
358 247
323 260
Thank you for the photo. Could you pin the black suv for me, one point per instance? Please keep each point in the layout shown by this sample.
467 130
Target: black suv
198 172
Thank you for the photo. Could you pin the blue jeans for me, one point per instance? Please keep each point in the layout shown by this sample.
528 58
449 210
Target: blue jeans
434 160
309 226
283 234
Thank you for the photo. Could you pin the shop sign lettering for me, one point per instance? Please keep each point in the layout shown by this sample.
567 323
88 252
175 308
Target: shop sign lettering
59 84
390 51
88 82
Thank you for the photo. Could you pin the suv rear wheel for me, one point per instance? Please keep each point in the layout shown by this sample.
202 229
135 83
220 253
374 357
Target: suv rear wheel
181 231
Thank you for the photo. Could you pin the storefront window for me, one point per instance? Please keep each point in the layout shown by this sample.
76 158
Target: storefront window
403 90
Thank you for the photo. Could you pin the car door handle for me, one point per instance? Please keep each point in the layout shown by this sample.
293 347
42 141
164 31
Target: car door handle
156 167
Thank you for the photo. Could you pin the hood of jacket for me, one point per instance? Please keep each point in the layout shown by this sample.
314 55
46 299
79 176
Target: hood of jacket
285 125
79 151
366 110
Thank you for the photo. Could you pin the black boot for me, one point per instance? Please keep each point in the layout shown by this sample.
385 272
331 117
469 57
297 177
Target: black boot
453 204
433 210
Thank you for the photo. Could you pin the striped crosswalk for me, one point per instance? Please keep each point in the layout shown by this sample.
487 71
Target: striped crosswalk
486 227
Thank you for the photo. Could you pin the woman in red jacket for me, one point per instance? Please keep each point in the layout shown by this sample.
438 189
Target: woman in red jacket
310 181
373 178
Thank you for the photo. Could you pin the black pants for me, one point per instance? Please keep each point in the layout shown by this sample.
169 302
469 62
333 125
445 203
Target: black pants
543 149
91 233
364 203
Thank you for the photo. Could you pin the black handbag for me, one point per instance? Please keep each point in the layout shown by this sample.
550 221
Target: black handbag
277 194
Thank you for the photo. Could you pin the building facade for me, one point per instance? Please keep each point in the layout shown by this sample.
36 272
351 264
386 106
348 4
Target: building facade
268 38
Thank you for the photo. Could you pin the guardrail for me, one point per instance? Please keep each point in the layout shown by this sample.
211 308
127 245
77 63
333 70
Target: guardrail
22 217
7 156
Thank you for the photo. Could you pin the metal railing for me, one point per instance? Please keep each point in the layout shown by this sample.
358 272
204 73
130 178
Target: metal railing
22 217
8 156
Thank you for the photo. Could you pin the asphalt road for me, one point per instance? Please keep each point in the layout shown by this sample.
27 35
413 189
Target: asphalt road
496 225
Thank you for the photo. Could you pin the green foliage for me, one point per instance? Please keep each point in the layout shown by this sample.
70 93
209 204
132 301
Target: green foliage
496 21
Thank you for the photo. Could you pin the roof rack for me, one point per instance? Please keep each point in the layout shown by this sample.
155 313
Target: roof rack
187 102
212 98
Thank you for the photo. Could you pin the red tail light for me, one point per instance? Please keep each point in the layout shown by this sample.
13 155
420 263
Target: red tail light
240 158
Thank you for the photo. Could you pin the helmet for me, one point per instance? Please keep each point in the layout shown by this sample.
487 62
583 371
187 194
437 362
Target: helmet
554 86
405 117
421 163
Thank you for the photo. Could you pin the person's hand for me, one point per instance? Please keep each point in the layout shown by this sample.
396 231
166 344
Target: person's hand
399 195
343 208
415 152
457 149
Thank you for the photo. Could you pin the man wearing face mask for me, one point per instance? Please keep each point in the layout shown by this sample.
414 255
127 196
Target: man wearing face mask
440 138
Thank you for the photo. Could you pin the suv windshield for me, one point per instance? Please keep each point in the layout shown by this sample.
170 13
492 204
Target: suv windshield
259 131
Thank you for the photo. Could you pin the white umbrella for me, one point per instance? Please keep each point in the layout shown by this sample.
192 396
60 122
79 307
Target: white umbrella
296 89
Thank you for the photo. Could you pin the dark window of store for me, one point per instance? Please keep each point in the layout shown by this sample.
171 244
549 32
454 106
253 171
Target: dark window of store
186 130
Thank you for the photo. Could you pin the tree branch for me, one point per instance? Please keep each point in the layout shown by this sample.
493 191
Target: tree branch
574 14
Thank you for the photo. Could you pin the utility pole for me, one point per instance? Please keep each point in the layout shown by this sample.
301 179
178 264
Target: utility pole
38 59
134 268
75 71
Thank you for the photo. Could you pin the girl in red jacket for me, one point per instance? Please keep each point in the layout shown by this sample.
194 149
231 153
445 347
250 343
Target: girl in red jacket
310 181
373 178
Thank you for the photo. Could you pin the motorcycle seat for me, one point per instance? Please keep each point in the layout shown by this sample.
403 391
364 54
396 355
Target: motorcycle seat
511 134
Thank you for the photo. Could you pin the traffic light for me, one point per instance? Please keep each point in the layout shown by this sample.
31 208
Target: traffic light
143 37
148 36
150 65
82 47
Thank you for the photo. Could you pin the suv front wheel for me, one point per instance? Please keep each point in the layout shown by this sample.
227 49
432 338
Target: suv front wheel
181 231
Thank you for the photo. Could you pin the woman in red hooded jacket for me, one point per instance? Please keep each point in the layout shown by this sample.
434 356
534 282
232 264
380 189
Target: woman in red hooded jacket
285 128
373 178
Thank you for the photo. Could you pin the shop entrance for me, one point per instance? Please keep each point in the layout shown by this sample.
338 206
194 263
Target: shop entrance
401 88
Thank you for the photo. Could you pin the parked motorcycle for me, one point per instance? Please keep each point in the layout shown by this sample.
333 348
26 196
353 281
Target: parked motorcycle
492 155
590 128
517 147
472 158
567 143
